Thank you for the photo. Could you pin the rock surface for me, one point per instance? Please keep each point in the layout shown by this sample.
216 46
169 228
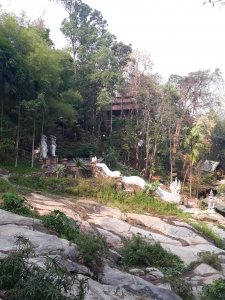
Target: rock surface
173 234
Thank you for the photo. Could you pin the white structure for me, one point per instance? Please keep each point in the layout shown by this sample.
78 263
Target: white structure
52 145
135 180
211 201
44 146
112 174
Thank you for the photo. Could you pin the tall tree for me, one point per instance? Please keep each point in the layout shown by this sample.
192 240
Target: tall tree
198 91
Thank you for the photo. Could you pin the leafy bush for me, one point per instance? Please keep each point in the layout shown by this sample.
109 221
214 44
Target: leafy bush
139 253
211 258
59 222
93 248
181 287
215 291
23 280
15 204
6 187
221 189
110 157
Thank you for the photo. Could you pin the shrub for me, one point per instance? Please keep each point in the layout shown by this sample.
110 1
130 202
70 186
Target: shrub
59 222
6 187
23 280
181 287
93 248
215 291
139 253
15 204
211 258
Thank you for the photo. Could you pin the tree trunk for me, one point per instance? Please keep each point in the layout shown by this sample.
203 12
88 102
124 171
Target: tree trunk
32 157
17 140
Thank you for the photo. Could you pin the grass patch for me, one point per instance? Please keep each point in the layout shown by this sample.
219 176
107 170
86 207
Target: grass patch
44 184
6 187
137 252
24 166
211 259
207 231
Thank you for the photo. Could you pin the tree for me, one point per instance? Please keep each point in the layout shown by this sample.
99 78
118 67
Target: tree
198 92
194 144
14 74
84 26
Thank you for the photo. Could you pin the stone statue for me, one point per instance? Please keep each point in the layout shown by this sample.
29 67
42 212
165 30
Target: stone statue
175 187
44 147
52 145
211 201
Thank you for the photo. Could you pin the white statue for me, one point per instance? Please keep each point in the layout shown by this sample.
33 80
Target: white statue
52 145
211 201
175 187
44 146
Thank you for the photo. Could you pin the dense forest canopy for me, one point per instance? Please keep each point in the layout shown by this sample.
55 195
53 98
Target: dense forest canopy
169 128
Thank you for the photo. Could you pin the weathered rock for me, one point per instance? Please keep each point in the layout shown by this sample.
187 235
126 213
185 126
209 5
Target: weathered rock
136 285
155 272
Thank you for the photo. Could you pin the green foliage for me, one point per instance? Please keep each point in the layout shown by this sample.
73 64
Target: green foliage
45 184
221 189
153 187
92 247
79 162
15 204
180 286
211 258
59 222
208 232
110 157
6 187
22 168
21 279
215 291
138 252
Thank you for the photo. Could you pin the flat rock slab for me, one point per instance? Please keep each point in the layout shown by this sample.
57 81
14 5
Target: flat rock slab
136 285
204 269
124 229
10 218
44 244
181 231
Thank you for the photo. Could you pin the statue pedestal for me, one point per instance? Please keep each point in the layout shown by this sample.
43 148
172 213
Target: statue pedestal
46 161
54 160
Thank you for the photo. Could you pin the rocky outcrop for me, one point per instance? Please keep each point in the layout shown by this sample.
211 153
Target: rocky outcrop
172 233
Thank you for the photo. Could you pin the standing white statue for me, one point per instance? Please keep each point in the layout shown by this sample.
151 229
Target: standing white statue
44 146
175 187
52 145
211 200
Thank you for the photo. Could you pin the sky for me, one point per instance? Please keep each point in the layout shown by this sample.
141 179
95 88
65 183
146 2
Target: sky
181 36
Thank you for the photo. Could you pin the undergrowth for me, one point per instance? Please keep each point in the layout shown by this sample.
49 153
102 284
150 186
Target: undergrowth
137 252
22 280
92 247
6 187
211 259
23 167
214 291
207 231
